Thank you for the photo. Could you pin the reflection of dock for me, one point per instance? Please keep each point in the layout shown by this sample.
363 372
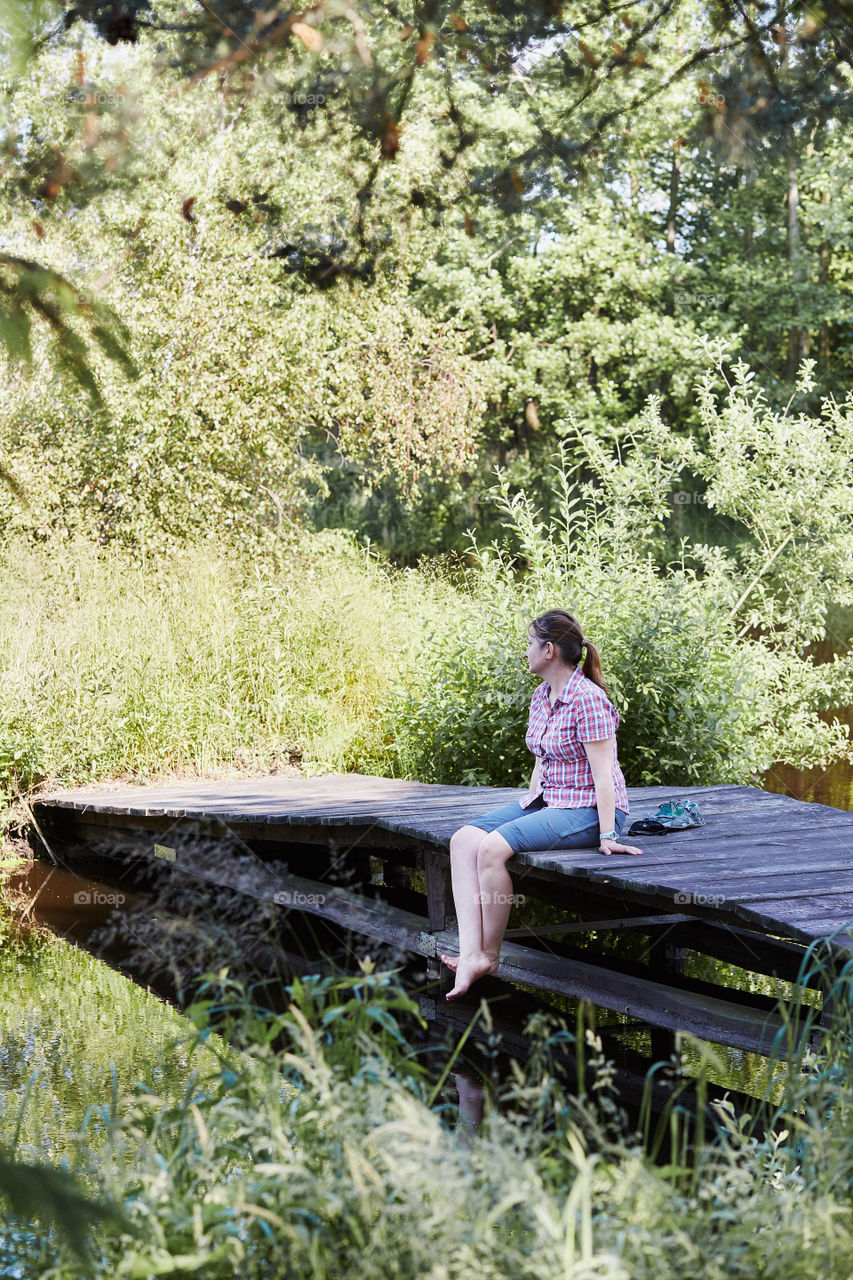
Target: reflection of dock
764 878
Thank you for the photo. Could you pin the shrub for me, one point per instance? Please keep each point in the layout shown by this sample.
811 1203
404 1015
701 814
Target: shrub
706 657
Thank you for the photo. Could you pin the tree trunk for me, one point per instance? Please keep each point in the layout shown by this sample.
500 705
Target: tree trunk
674 181
749 228
672 213
823 280
797 339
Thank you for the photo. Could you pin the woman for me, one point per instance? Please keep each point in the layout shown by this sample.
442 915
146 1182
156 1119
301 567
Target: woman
576 800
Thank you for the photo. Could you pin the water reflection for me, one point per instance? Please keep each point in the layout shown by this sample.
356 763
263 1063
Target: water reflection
75 1034
471 1092
70 905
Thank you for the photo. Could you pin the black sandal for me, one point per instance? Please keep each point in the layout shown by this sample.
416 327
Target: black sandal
648 827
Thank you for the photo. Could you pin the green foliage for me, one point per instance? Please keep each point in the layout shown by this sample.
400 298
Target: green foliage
28 289
203 661
245 374
309 1142
464 715
20 764
483 299
673 668
703 657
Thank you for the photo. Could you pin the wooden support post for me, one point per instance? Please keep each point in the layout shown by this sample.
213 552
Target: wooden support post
437 875
664 1040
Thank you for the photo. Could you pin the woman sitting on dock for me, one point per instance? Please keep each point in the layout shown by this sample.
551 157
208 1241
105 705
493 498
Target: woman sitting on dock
576 800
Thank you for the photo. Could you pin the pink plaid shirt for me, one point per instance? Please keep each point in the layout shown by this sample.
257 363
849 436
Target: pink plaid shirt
582 713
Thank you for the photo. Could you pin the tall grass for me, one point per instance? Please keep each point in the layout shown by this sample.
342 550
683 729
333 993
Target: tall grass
111 668
317 1147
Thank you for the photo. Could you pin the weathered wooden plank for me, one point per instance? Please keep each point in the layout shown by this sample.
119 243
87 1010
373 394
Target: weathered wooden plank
790 887
835 904
823 926
638 923
355 785
815 853
739 885
764 856
348 796
694 849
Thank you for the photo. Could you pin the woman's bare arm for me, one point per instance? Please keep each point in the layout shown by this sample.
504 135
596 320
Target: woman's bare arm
600 756
534 779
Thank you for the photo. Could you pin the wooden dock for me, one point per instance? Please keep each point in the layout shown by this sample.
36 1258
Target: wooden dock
765 878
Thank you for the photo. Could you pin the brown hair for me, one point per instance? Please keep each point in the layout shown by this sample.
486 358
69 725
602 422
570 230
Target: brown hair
565 633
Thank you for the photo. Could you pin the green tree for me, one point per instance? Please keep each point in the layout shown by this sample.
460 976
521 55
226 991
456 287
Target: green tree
245 369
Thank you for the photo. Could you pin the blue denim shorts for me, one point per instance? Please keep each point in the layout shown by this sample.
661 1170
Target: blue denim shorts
540 827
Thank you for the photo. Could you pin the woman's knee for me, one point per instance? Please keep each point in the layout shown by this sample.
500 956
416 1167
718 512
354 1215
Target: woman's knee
493 851
465 842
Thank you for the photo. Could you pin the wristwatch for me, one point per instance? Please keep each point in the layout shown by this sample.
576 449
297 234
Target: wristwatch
607 835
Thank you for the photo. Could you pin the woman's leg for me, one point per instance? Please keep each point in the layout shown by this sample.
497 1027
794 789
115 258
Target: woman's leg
479 953
495 891
464 844
494 899
468 893
538 827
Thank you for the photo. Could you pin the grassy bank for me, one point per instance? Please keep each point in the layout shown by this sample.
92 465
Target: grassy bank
111 668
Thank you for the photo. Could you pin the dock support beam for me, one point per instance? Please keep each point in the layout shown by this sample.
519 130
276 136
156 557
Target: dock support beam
437 875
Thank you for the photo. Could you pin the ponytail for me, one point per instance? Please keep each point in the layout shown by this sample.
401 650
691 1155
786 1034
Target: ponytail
592 665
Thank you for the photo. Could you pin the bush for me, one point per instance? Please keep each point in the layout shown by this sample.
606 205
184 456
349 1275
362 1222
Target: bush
705 658
672 667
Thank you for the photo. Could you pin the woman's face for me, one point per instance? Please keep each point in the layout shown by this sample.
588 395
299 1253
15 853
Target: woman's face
538 653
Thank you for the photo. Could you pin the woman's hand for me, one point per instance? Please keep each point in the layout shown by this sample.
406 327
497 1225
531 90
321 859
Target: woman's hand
613 846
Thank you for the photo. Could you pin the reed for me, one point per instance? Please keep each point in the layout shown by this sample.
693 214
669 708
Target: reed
203 662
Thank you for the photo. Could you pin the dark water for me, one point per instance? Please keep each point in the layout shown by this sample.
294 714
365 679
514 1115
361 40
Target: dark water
71 906
833 786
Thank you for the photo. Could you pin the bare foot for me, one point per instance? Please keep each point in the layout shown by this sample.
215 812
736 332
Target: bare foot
468 969
452 962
